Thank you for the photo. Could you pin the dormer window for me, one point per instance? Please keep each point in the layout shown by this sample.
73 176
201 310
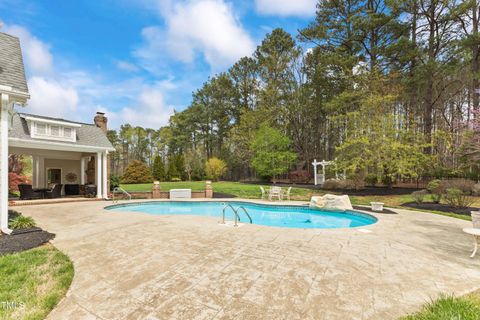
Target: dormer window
52 129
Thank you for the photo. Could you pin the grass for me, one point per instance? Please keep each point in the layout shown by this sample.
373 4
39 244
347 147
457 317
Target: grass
32 282
450 307
242 190
252 191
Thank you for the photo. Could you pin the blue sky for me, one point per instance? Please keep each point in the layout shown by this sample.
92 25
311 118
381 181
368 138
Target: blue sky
136 60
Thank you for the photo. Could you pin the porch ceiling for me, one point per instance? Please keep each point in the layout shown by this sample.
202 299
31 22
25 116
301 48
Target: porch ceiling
50 154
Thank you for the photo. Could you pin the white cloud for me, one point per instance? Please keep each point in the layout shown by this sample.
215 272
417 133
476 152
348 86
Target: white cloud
299 8
206 27
51 98
126 66
150 110
36 53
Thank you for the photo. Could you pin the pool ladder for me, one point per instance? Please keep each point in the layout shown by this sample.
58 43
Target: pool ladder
236 215
120 190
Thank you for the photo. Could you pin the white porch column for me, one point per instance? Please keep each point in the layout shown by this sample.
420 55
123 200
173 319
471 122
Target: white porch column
105 177
41 182
82 171
4 163
35 171
98 170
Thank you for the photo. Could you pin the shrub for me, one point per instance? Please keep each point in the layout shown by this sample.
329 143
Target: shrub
299 176
12 214
215 168
458 198
22 222
436 188
175 179
114 181
466 186
14 179
371 179
137 172
332 184
419 196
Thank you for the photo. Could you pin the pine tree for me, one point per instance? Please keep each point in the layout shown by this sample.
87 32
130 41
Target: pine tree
172 169
158 169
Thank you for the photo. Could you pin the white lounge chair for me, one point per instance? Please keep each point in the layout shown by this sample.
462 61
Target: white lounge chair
287 194
275 192
264 194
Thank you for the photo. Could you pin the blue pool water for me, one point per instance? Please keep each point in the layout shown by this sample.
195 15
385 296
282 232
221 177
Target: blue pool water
267 215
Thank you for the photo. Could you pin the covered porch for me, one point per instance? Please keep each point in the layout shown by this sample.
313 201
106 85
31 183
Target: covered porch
72 167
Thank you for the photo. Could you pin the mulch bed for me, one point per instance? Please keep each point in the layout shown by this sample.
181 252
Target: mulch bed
367 191
439 207
24 239
369 209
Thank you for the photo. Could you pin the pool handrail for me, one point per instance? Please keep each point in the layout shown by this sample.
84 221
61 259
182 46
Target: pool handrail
246 212
235 211
120 189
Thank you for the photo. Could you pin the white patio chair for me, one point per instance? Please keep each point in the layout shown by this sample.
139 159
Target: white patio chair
264 194
287 194
275 192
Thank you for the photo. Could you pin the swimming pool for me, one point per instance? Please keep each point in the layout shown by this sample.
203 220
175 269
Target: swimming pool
262 214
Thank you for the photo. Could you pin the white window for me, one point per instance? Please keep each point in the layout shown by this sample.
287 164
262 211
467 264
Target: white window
67 132
41 129
55 131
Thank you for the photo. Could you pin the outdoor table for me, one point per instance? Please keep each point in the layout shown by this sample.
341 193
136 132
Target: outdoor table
475 232
42 191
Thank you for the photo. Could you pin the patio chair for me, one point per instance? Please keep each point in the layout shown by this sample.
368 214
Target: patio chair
27 193
264 194
56 192
275 192
287 194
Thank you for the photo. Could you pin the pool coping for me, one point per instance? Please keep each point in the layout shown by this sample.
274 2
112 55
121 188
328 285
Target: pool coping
303 204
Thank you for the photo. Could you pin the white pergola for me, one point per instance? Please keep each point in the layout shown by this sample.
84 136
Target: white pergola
320 178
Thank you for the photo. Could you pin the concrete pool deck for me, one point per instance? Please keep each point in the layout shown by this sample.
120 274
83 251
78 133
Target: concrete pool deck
140 266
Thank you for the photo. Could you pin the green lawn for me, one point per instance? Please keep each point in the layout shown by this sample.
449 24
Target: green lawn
242 190
33 282
449 308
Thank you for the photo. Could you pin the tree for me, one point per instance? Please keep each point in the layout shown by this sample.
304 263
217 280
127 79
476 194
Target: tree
375 144
137 172
215 168
194 164
172 173
158 170
272 155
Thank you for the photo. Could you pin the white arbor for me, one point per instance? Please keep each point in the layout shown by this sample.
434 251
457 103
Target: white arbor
320 178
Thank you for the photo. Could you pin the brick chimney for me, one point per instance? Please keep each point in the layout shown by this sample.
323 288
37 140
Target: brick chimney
101 121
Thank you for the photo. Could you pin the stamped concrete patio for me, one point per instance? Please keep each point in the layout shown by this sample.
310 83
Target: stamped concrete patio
139 266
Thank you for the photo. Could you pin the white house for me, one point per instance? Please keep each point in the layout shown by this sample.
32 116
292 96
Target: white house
63 151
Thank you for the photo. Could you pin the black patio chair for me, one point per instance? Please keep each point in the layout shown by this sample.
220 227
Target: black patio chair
27 193
56 192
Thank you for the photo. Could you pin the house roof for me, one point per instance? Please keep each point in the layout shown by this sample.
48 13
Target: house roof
12 73
88 135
